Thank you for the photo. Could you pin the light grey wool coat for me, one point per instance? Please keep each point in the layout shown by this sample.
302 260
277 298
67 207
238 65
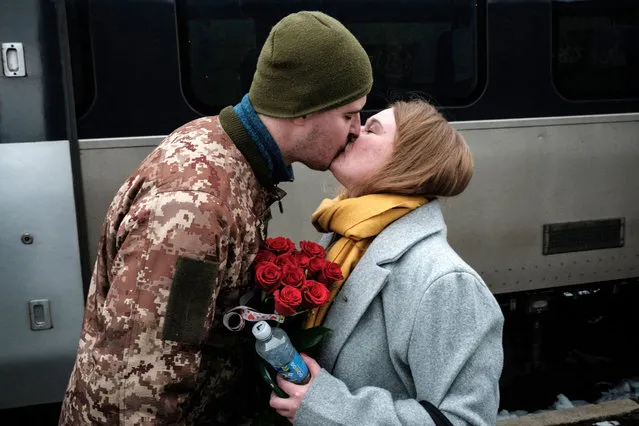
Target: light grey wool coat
412 322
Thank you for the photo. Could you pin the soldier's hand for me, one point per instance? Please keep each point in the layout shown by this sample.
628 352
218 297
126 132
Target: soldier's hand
287 407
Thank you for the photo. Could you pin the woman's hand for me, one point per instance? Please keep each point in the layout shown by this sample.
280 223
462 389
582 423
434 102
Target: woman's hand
287 407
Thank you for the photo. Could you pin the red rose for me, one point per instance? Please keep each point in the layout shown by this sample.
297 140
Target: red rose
265 256
301 259
286 259
315 265
287 299
293 276
268 276
312 249
330 273
279 245
315 293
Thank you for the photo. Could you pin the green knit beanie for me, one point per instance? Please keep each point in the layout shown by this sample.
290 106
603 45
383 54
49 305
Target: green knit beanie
310 62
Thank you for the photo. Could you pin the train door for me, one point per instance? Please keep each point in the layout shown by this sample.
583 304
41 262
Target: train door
42 300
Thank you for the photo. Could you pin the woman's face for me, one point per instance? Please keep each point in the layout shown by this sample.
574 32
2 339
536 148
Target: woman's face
369 152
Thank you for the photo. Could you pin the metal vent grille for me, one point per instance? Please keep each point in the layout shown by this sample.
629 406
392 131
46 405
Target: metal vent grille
583 236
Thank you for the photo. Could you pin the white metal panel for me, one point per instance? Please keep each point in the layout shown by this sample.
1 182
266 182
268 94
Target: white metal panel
528 173
526 177
36 196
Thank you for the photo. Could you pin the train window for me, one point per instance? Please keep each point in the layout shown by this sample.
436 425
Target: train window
81 57
431 48
595 48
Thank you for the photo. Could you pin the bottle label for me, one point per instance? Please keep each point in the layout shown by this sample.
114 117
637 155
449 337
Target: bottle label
295 371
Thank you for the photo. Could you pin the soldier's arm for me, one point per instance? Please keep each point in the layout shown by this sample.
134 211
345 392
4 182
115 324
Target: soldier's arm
171 260
179 255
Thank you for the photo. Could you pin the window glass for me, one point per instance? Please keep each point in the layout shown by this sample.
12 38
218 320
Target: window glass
81 57
596 48
424 47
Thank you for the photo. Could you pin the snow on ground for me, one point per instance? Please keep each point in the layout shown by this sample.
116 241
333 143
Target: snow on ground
627 388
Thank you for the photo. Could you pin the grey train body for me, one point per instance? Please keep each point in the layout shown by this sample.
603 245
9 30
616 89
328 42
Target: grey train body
544 91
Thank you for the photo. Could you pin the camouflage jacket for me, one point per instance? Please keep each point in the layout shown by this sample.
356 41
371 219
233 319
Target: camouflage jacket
175 246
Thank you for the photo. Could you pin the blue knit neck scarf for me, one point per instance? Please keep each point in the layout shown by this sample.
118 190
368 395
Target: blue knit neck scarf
264 141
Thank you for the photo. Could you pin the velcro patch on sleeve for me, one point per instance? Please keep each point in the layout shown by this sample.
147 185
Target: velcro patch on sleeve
189 300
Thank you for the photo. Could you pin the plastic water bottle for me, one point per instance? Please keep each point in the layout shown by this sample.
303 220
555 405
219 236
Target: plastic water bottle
276 348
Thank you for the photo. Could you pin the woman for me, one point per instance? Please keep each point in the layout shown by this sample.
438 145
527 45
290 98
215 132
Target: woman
412 324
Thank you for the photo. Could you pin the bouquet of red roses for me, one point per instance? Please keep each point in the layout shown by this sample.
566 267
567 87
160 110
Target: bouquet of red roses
292 282
298 280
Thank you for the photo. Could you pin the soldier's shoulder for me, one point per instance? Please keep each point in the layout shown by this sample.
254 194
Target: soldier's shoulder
207 123
197 156
200 133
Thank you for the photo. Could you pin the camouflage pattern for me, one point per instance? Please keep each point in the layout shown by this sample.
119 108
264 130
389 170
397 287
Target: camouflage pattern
195 195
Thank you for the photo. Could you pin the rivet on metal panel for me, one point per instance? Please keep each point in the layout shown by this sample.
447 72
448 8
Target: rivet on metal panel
26 238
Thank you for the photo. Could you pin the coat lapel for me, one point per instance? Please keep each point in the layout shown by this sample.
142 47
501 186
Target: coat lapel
369 277
366 281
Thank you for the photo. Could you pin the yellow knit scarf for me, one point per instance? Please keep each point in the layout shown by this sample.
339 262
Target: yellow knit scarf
356 221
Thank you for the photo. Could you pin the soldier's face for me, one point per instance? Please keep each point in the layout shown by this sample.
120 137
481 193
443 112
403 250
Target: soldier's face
329 132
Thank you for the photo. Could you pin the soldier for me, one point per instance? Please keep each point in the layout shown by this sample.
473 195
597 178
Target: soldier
182 231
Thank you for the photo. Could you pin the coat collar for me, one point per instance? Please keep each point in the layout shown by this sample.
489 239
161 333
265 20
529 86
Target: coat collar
405 232
369 277
234 128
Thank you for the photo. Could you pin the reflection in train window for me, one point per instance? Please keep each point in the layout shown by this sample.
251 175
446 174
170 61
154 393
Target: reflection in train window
596 48
429 48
